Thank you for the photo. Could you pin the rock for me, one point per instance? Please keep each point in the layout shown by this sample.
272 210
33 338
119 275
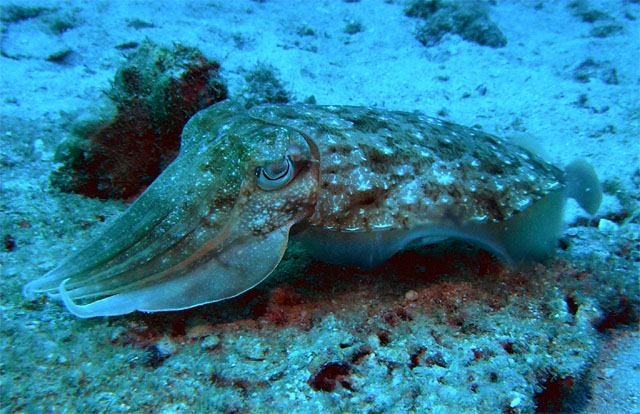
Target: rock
607 226
119 148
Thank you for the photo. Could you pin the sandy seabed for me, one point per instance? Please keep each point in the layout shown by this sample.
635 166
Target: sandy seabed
371 345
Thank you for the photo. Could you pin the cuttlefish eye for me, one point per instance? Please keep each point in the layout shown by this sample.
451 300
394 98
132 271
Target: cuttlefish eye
276 175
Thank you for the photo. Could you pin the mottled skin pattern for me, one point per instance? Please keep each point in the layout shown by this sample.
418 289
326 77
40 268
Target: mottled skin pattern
382 169
216 222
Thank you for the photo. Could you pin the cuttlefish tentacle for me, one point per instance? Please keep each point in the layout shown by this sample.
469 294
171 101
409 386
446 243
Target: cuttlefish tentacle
204 230
353 184
234 270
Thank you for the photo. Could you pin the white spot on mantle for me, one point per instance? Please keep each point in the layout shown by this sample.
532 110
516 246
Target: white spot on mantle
444 178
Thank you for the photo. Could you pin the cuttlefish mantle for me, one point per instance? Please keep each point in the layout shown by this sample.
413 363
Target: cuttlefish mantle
354 184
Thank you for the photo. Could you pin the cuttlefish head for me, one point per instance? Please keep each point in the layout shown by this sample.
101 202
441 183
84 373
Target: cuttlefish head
214 224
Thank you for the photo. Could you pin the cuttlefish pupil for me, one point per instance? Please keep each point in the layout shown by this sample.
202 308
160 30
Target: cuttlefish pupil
274 176
355 185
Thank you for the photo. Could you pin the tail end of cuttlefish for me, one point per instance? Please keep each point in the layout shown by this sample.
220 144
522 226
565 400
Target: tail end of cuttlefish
584 186
533 233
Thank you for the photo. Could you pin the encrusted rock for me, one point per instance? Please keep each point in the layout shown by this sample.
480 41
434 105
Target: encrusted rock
116 149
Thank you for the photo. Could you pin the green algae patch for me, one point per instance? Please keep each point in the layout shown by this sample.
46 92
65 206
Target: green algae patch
14 13
469 20
263 85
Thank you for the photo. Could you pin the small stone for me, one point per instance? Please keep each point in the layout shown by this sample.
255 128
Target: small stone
373 341
199 331
117 333
411 295
607 226
40 152
608 372
166 346
572 232
210 342
515 402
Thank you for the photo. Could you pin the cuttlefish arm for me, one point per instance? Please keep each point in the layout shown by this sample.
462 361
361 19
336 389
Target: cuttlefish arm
214 224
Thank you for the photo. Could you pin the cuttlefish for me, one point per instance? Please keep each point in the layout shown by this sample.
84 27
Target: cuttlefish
353 184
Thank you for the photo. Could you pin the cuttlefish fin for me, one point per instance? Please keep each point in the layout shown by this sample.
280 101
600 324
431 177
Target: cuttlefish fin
242 264
584 186
534 232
